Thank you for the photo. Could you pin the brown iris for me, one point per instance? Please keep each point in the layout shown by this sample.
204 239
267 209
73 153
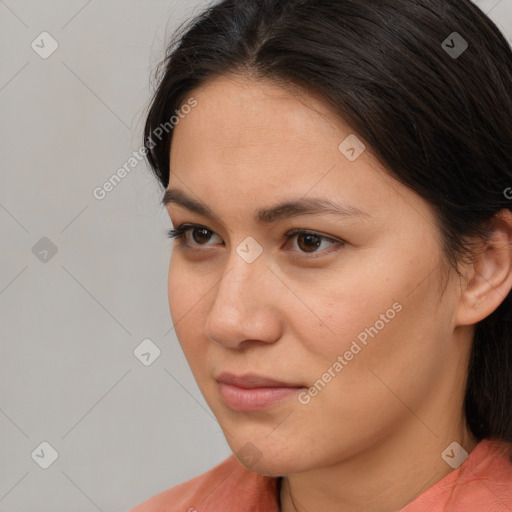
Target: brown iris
204 235
311 242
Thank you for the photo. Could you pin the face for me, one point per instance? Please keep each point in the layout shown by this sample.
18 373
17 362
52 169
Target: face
350 312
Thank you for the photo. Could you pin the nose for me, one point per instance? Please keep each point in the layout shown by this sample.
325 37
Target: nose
245 305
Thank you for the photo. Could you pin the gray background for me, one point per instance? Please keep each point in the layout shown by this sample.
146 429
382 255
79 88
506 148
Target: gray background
70 321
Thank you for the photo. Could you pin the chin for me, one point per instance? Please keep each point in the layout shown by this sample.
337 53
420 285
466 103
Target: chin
270 468
270 459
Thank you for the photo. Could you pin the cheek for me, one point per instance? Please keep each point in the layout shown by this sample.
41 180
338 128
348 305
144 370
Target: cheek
353 307
175 287
375 322
185 287
184 295
385 351
183 306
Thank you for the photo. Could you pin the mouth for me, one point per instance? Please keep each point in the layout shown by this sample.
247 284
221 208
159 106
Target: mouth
251 393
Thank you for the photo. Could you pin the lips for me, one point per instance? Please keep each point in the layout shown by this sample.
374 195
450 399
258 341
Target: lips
251 381
252 393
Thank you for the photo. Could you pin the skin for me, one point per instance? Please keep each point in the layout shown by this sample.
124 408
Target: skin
372 438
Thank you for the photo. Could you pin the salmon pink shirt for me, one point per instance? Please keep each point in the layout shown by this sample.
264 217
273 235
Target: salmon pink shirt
483 483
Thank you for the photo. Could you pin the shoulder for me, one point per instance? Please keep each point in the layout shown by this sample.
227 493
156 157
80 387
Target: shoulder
483 483
227 486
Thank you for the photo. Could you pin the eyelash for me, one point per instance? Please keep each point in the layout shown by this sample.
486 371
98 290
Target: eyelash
180 232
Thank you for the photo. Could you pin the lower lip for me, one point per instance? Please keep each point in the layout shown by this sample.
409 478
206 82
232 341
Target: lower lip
254 399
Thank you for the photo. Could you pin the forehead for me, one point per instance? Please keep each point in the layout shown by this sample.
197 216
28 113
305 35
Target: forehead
254 143
246 129
240 110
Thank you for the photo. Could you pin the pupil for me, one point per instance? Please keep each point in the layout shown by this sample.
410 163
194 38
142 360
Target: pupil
312 242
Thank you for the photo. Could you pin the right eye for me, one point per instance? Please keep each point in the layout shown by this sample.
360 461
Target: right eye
199 234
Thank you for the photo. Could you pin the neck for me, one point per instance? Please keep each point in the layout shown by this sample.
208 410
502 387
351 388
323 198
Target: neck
384 478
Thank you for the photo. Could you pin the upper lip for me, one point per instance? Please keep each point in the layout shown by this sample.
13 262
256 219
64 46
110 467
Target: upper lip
251 380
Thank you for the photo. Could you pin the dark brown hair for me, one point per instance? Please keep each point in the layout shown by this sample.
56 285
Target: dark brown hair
437 115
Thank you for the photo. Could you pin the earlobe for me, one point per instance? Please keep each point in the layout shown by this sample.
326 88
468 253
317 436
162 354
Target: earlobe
490 274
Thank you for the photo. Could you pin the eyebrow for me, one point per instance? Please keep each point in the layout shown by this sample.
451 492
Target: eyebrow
293 208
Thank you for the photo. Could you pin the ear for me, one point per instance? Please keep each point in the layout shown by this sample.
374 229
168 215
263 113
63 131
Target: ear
489 276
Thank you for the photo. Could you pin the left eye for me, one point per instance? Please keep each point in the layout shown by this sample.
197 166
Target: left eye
307 241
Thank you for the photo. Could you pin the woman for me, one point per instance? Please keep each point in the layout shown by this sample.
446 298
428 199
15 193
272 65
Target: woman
339 185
